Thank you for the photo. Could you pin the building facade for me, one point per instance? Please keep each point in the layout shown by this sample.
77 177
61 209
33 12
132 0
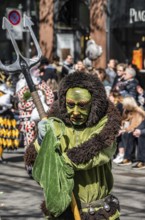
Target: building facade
67 25
127 31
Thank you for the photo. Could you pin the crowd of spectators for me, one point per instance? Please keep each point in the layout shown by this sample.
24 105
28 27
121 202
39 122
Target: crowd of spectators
122 88
128 96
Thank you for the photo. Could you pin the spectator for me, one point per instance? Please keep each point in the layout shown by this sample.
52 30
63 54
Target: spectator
111 70
67 66
79 66
116 99
47 70
101 73
120 70
132 132
140 96
56 64
128 87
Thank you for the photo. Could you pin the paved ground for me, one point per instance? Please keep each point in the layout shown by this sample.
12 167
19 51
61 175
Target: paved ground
129 187
21 196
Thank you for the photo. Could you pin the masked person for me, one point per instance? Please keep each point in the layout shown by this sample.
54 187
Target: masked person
28 114
76 146
9 133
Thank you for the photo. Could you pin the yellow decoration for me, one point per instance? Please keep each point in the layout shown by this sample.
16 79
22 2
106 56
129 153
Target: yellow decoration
5 122
4 143
1 151
8 123
8 141
9 133
16 133
16 143
1 142
13 122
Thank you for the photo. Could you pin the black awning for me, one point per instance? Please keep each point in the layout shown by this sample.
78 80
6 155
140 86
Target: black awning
127 13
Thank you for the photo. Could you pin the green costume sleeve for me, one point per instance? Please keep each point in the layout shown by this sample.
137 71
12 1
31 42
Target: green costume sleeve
54 175
101 158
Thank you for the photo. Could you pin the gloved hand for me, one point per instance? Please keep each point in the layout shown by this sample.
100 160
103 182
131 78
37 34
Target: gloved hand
42 130
34 114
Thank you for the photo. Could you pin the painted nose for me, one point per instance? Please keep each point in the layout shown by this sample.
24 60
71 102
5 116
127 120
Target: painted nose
76 111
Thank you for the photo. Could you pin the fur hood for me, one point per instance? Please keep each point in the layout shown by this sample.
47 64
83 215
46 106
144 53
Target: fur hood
99 108
94 86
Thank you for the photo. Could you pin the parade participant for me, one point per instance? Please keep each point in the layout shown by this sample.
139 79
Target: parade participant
77 145
26 106
9 133
28 114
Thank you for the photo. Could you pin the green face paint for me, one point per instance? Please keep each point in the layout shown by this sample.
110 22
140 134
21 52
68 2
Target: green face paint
78 104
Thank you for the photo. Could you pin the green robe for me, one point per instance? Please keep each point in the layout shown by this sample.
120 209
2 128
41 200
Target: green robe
90 181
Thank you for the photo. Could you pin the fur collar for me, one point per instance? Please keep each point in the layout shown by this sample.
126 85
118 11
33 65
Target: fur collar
104 139
100 107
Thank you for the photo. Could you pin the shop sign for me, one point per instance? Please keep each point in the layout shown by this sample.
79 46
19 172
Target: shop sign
136 15
127 13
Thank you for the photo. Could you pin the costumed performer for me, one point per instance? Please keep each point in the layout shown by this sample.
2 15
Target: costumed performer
28 112
9 133
76 147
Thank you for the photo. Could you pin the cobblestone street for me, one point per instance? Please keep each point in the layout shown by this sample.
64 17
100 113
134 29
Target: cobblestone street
20 196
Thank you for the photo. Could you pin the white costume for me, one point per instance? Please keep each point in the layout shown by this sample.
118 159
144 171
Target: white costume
27 111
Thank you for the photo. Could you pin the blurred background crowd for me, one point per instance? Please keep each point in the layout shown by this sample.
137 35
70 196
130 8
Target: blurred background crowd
19 116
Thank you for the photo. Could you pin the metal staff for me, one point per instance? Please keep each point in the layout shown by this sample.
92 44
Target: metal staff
24 65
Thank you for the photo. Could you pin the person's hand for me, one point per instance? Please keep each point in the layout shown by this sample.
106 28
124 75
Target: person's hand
137 133
117 88
121 132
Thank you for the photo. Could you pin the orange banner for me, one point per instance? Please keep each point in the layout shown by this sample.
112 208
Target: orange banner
137 58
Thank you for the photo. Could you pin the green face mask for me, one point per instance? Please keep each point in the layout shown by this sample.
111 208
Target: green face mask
78 104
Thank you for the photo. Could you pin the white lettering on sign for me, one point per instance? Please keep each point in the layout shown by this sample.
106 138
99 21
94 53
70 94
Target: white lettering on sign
136 16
